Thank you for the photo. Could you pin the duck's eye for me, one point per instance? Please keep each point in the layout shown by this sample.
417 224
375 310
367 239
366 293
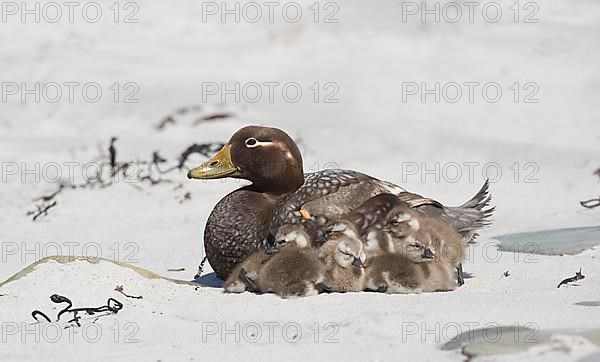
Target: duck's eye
251 142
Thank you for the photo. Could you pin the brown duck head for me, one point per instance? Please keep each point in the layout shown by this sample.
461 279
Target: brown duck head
265 156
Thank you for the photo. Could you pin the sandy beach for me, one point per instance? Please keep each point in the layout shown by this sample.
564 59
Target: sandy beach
538 147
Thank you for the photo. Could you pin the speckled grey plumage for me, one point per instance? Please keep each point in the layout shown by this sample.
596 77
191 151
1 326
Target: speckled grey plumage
373 212
326 196
331 194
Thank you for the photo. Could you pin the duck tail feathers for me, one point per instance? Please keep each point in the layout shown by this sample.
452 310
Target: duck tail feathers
474 214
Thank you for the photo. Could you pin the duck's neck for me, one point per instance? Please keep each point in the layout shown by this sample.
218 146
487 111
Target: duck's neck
281 184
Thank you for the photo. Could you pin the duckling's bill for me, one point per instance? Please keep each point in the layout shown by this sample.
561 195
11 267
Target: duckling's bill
218 166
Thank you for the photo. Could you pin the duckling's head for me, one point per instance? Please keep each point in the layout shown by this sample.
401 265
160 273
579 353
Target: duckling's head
266 156
293 235
344 245
343 227
417 248
403 224
402 221
349 253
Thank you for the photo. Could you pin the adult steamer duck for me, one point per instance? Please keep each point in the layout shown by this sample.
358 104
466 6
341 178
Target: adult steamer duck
281 193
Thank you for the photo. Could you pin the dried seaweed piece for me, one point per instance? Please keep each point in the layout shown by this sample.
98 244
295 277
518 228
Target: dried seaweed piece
578 276
36 313
49 197
176 269
213 117
112 153
170 118
42 210
119 288
591 203
164 122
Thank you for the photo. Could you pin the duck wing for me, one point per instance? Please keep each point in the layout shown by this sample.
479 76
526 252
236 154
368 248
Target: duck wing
328 195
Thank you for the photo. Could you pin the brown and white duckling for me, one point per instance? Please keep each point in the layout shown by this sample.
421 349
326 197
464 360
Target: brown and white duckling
344 259
244 276
423 238
294 269
289 267
281 194
397 274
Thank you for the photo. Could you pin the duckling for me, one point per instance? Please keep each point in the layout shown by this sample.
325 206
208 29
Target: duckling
299 235
344 260
295 269
281 194
244 276
422 238
397 274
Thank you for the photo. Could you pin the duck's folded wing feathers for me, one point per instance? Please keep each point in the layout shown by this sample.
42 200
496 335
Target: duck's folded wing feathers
326 195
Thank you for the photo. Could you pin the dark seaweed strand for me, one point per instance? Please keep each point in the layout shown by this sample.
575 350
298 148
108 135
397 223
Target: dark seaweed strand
591 203
112 305
36 313
153 173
